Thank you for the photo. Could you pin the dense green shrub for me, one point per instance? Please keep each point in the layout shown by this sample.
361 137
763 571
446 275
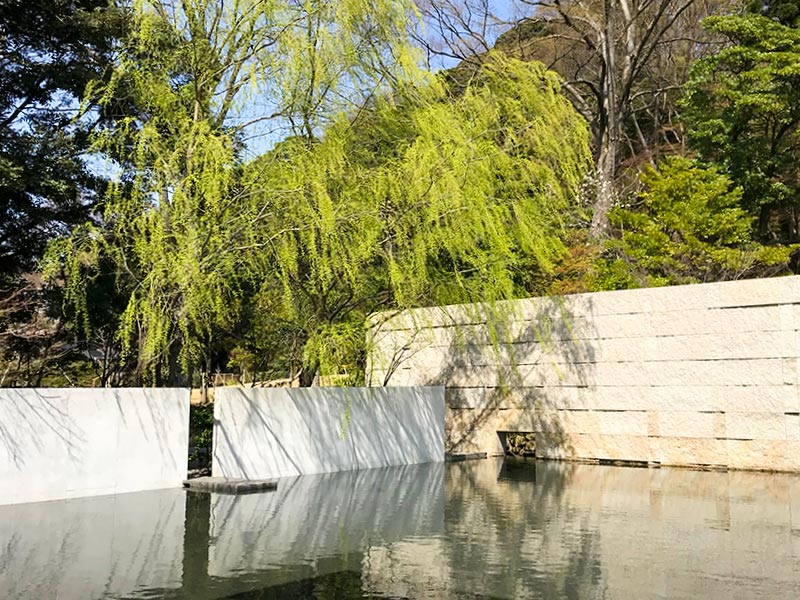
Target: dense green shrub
687 226
201 429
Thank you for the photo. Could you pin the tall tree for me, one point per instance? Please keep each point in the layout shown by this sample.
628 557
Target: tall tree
622 61
49 51
205 76
419 200
743 107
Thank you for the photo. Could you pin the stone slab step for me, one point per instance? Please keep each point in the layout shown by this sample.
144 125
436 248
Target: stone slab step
461 457
225 485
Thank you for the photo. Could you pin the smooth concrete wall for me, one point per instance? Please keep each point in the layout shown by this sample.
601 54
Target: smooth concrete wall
66 443
277 432
688 375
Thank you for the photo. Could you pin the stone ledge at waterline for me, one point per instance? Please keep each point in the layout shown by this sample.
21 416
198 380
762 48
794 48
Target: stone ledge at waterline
703 374
66 443
262 433
225 485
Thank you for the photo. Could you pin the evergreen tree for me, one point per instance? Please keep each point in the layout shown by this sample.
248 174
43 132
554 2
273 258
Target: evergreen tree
49 51
743 108
687 227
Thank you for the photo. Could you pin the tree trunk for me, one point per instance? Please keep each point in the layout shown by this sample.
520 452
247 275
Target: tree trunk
606 166
308 373
609 122
763 221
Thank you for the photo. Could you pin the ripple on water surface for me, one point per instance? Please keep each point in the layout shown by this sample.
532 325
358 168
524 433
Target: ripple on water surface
482 529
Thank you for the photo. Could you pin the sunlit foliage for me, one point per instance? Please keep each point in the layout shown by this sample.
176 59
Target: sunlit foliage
384 192
688 227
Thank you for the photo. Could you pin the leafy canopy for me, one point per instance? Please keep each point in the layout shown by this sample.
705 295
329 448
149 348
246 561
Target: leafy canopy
49 51
173 225
689 227
413 197
743 109
420 199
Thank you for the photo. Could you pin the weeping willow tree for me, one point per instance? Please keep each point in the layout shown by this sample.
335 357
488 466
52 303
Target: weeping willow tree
421 198
194 82
381 190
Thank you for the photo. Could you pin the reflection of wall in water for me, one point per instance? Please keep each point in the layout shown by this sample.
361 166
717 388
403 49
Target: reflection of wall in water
92 547
324 521
425 531
583 530
200 546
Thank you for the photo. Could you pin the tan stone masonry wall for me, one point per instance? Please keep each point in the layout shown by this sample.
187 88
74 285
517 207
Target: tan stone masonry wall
689 375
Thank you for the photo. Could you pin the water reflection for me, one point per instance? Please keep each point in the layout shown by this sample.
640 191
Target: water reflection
320 524
484 529
585 531
92 547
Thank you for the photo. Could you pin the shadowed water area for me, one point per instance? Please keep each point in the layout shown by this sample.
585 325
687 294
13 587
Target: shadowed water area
483 529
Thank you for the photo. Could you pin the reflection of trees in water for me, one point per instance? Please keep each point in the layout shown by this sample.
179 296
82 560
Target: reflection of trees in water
500 532
343 584
513 536
476 530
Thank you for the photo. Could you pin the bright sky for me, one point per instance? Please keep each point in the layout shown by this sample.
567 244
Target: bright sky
265 135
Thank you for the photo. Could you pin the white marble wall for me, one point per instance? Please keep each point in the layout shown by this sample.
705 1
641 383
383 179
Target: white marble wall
66 443
261 433
701 374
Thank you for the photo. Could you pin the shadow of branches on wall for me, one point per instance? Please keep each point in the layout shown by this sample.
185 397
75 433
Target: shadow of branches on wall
502 366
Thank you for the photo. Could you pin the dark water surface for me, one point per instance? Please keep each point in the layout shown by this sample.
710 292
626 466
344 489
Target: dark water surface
483 529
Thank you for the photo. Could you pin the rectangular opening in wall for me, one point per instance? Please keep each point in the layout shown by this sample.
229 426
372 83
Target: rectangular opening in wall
518 443
201 431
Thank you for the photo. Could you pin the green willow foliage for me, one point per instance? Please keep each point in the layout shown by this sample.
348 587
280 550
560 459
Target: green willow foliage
421 199
188 79
385 192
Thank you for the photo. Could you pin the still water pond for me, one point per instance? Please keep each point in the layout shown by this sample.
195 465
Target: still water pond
483 529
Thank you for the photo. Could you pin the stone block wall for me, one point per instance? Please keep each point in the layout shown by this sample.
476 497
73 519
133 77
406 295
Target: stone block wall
260 433
689 375
67 443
